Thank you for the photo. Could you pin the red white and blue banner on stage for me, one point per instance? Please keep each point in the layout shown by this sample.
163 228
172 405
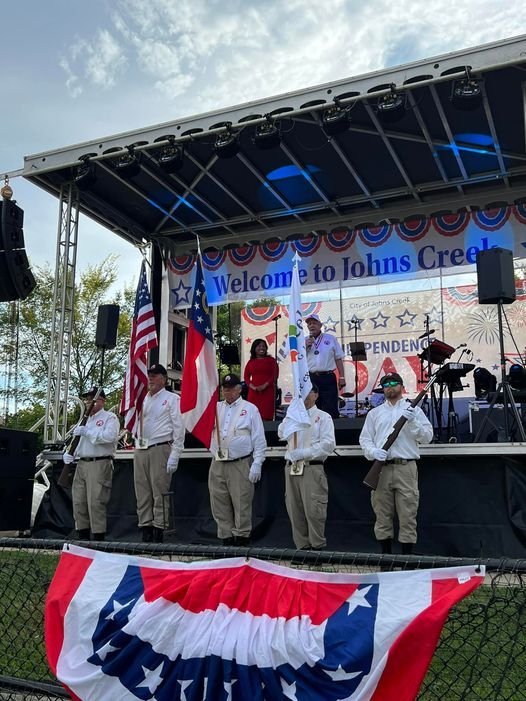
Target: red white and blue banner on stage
345 256
120 627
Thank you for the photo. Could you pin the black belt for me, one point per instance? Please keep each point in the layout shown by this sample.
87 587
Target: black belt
398 461
101 457
324 372
237 459
163 443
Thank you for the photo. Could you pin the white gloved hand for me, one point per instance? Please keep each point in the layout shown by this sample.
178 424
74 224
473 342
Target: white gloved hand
380 454
172 464
67 459
80 431
297 454
409 413
255 474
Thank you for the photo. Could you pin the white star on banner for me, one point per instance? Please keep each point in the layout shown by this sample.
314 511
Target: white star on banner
228 689
105 651
184 685
340 675
289 690
117 607
358 599
152 678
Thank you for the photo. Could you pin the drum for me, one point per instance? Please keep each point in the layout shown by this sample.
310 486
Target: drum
436 352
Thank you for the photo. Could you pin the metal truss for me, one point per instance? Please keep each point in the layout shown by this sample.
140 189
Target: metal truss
62 317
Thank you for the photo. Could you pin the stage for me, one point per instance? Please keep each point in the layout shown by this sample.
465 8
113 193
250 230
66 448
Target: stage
472 500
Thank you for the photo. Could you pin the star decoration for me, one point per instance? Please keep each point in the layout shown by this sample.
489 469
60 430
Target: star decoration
289 690
181 293
331 324
117 608
185 683
228 688
248 340
152 678
340 675
435 316
380 320
106 650
358 599
406 319
353 322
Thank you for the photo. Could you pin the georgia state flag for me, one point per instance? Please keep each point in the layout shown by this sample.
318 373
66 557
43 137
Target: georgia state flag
120 627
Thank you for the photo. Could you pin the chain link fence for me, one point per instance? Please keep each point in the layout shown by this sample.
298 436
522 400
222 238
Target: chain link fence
481 653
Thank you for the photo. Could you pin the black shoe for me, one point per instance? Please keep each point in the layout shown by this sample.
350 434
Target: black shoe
83 534
228 541
407 548
147 534
99 536
241 540
158 535
387 546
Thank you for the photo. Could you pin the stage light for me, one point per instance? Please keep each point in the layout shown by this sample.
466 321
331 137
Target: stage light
517 377
127 164
226 144
466 94
170 157
391 107
85 176
267 135
335 120
485 383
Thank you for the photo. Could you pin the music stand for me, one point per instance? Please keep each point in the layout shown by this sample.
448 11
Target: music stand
504 389
357 353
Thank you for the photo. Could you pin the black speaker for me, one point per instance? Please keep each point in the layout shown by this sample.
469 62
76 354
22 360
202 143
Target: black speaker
229 354
11 223
495 276
107 325
18 450
16 278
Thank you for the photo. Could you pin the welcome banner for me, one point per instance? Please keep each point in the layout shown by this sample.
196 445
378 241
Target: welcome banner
345 256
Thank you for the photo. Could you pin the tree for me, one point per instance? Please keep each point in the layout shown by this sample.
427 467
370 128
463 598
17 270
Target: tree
34 333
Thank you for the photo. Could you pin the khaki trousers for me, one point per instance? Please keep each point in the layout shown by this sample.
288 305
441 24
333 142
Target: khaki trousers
231 494
397 491
151 482
306 498
90 492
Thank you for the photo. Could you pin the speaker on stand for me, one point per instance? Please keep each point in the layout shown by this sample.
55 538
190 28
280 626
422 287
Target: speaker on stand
106 333
16 279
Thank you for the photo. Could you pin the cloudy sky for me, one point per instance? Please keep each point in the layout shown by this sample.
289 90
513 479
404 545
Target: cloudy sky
75 70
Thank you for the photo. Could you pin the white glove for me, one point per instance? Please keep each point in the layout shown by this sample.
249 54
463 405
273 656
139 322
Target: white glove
80 431
297 454
409 413
380 454
255 474
67 459
172 464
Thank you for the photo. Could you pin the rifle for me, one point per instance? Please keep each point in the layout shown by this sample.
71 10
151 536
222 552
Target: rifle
68 471
372 477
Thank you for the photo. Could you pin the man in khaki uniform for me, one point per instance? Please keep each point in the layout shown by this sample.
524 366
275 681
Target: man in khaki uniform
91 487
239 451
397 490
306 488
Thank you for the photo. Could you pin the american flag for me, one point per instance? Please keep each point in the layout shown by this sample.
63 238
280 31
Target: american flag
143 339
122 627
200 383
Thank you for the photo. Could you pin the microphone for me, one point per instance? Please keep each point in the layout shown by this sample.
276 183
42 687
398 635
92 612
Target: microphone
278 316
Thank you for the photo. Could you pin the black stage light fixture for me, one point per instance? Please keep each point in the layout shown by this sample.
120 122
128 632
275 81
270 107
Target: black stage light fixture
517 377
170 156
485 383
84 176
466 94
226 144
267 135
335 120
127 164
391 106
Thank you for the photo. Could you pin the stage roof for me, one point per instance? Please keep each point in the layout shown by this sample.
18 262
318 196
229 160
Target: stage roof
437 157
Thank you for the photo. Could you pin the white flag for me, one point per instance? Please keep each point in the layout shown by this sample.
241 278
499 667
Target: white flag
297 416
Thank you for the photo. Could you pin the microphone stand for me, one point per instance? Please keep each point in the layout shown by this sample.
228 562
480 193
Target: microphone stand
434 411
275 380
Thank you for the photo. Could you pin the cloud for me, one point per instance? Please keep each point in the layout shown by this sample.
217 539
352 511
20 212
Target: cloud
100 61
72 81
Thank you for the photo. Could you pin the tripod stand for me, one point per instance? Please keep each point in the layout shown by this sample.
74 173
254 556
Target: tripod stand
503 390
357 353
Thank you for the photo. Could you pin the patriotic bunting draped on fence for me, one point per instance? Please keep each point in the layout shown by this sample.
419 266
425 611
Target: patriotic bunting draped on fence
143 339
200 384
120 627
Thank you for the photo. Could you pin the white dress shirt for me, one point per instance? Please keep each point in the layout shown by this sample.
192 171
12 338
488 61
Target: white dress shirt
241 430
323 353
100 439
318 441
162 421
379 424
